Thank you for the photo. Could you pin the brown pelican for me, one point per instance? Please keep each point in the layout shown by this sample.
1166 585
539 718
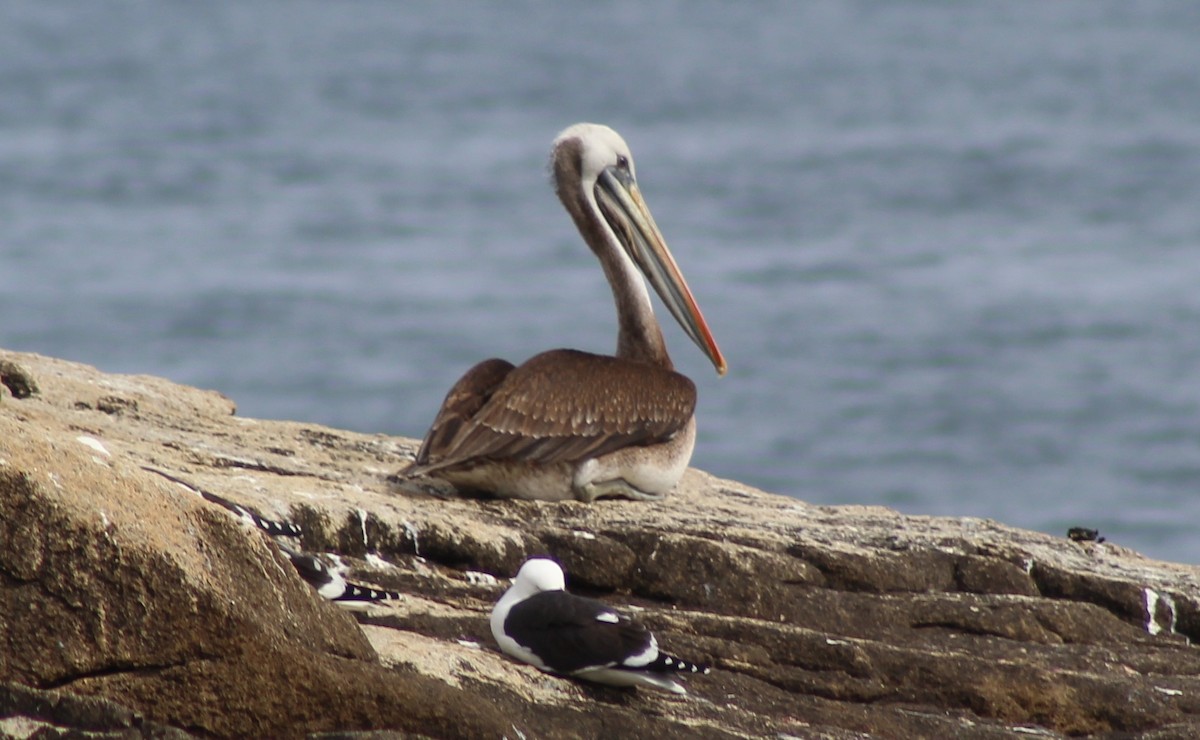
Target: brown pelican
569 424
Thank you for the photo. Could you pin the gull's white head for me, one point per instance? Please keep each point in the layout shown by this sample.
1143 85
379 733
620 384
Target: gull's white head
540 574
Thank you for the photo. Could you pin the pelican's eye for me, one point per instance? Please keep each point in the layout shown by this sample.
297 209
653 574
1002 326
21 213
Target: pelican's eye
623 162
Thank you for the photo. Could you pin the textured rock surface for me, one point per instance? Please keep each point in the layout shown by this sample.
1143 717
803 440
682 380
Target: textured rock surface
130 606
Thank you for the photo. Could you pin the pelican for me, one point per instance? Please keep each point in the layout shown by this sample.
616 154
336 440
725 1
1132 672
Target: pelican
574 425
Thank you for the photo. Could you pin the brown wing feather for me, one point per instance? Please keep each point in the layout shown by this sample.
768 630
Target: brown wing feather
462 402
566 405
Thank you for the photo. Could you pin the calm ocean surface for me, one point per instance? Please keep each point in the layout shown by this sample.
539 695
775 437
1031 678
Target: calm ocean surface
950 250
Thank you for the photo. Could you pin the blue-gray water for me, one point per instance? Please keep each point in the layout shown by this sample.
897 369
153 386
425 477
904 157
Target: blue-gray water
951 250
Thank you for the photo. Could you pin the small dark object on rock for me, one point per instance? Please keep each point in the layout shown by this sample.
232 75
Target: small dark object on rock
1083 534
17 379
115 405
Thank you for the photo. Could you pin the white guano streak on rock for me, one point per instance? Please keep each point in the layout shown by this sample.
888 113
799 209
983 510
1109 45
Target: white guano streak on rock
362 520
411 531
94 444
1152 598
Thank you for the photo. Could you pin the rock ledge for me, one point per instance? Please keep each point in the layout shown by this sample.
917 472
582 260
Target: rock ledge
129 606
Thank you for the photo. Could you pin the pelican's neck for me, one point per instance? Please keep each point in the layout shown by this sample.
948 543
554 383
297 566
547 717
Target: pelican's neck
639 336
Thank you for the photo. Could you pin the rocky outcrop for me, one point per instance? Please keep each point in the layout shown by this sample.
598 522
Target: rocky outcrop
129 605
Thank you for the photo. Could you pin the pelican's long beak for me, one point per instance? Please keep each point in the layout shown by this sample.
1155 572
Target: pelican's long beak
621 201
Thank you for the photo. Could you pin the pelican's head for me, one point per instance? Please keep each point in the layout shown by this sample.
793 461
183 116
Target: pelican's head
599 149
593 170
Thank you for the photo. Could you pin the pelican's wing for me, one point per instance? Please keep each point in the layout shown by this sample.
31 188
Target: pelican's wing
563 406
463 401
